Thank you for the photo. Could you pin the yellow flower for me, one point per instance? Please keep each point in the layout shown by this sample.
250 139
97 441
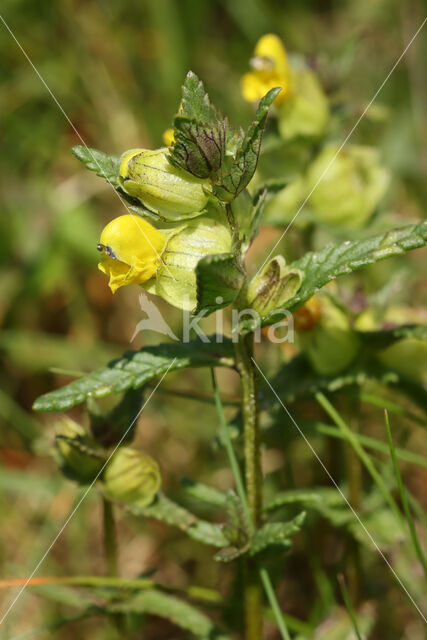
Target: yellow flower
168 137
131 249
270 69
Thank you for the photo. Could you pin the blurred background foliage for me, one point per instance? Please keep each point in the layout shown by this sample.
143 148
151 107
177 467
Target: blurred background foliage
116 70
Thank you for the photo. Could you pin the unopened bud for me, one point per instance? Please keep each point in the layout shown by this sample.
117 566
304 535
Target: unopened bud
273 286
150 177
132 477
79 460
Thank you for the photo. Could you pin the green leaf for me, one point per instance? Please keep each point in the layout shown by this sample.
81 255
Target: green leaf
199 148
166 510
136 368
219 280
305 497
385 337
320 267
242 168
247 214
195 101
180 613
105 165
276 533
203 492
296 379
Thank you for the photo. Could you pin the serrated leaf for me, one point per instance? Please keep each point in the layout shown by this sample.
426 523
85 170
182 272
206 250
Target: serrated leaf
203 492
276 533
228 554
219 280
320 267
242 168
180 613
306 498
199 148
247 214
195 101
136 368
103 164
165 510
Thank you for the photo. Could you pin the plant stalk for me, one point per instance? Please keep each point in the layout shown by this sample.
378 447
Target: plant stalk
110 541
253 482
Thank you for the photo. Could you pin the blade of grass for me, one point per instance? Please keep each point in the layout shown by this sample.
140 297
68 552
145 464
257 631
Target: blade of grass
349 606
403 498
234 464
392 407
374 444
366 460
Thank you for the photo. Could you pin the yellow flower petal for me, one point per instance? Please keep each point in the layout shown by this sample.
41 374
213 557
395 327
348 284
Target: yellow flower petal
131 250
270 69
271 48
168 137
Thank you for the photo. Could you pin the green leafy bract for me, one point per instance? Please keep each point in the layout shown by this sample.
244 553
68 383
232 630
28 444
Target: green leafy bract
195 101
198 148
320 267
134 369
241 168
247 214
219 280
200 134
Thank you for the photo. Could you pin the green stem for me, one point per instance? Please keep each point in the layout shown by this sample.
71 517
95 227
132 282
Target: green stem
263 574
110 541
253 482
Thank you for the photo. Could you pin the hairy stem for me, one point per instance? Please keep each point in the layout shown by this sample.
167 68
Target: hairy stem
253 481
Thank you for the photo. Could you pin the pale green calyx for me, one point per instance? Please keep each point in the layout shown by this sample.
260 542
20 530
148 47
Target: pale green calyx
175 280
132 477
173 193
273 286
330 344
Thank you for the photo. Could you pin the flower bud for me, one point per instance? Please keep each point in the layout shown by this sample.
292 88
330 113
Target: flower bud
328 341
173 193
273 286
132 477
176 275
74 448
131 248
